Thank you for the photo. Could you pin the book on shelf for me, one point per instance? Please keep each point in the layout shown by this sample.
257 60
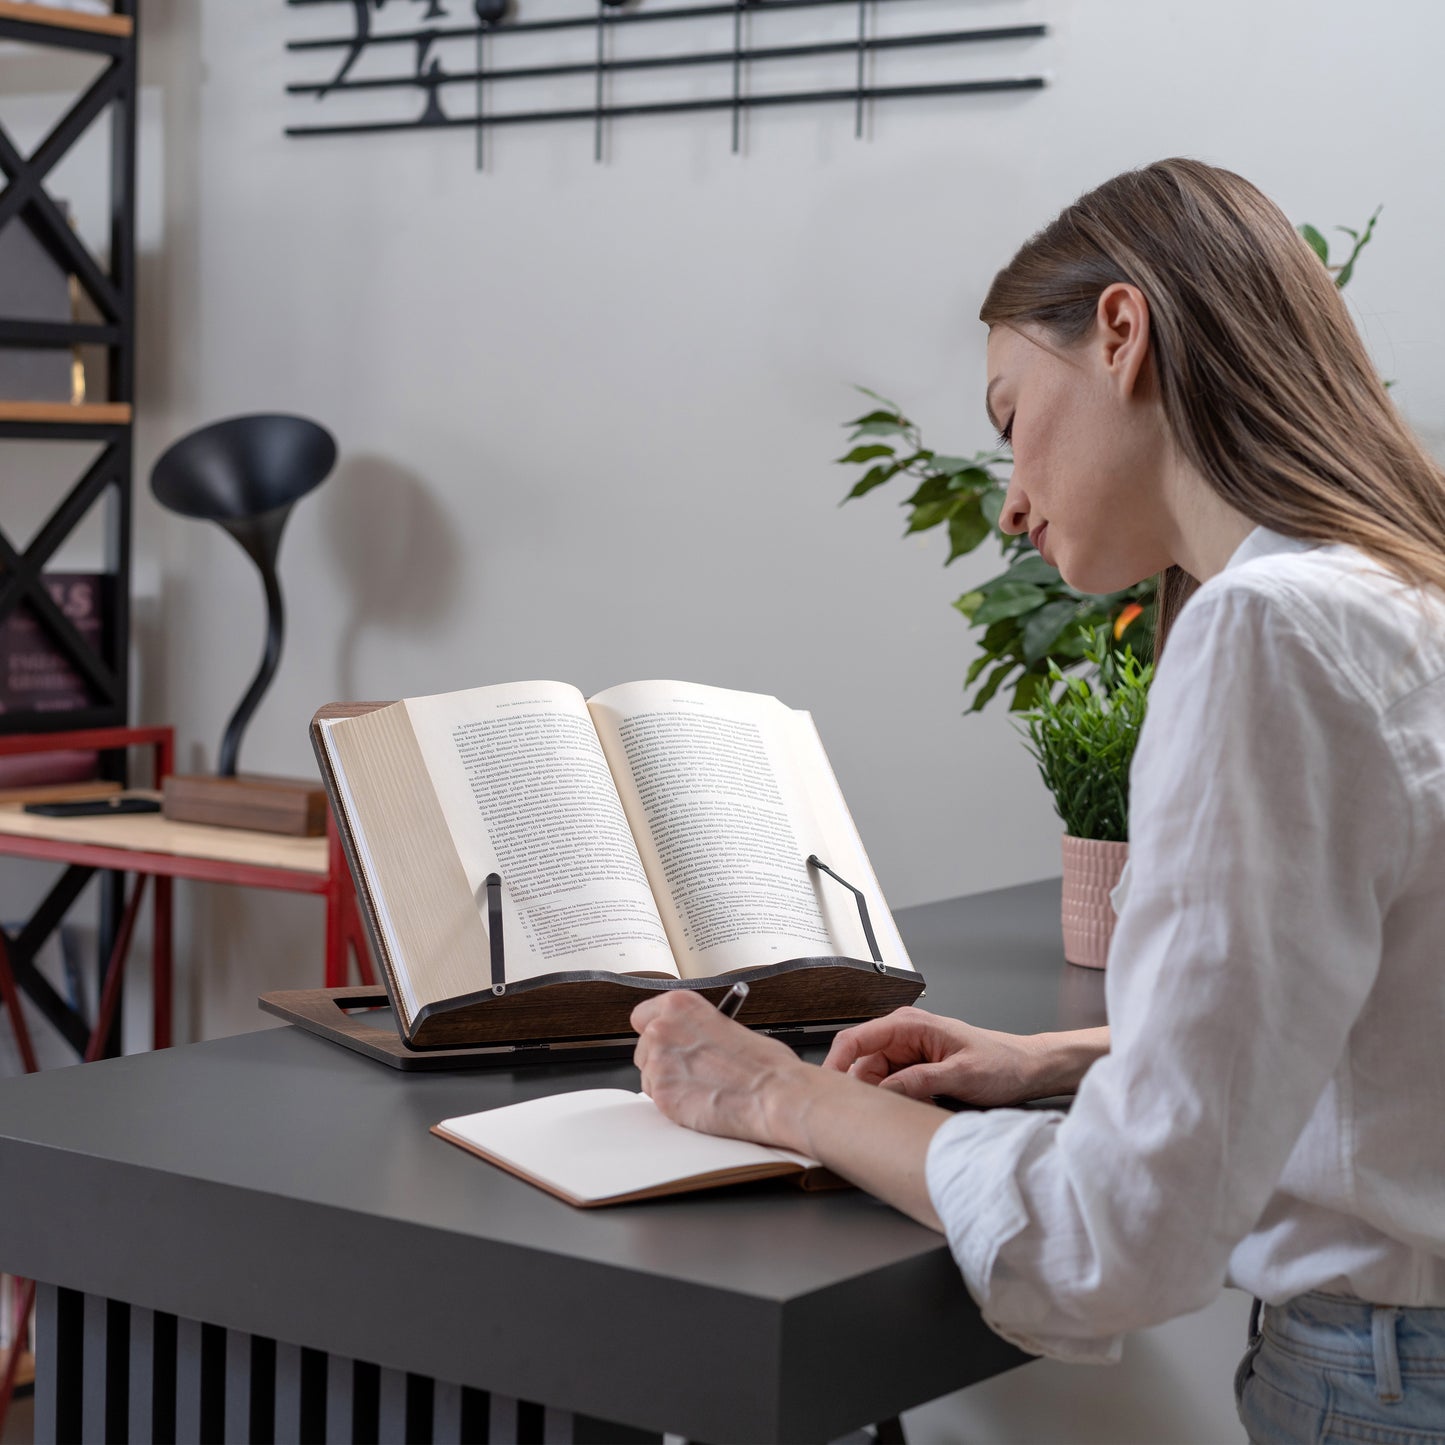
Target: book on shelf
530 862
609 1146
36 674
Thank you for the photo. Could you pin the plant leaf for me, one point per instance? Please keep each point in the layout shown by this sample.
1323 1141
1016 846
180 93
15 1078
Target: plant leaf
977 666
992 501
974 478
1001 634
1043 629
930 514
995 680
873 416
1317 242
966 529
1033 568
875 477
866 454
878 429
868 391
968 604
1009 599
929 490
1027 690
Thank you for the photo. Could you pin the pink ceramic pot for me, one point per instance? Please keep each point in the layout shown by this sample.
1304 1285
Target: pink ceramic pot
1091 870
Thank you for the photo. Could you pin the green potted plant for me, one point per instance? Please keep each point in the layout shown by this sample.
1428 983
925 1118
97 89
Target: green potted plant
1083 739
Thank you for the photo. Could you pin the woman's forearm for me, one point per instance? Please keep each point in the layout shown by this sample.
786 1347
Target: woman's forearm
873 1137
1064 1058
879 1139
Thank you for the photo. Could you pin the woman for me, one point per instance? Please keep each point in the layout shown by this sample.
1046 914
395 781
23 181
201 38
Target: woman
1185 395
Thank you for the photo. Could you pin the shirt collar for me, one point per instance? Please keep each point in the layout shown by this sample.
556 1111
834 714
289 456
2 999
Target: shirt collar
1263 543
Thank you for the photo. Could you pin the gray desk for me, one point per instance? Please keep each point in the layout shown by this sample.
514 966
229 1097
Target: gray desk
269 1210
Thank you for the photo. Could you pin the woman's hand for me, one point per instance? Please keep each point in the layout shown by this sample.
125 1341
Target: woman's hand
709 1073
922 1055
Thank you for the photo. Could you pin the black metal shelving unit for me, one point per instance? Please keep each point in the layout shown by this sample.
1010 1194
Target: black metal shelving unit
103 663
111 291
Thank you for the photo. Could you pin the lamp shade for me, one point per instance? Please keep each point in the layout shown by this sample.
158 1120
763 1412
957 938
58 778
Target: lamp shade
245 474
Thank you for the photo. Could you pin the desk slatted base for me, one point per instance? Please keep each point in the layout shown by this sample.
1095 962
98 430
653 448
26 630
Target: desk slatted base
111 1371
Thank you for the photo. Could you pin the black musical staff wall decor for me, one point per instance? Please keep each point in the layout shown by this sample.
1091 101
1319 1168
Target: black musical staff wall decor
429 64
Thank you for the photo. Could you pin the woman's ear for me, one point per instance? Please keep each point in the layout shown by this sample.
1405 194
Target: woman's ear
1122 333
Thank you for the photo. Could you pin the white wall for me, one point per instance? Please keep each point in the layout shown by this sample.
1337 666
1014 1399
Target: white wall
586 414
586 411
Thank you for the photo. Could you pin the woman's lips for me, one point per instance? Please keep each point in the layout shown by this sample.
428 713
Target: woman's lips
1037 538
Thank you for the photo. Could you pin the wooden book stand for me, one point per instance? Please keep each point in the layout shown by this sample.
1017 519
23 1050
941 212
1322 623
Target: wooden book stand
581 1013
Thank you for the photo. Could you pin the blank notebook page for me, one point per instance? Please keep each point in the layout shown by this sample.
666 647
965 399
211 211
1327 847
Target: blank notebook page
597 1143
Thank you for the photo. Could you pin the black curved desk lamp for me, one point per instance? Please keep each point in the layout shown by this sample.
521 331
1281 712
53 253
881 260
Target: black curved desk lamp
245 474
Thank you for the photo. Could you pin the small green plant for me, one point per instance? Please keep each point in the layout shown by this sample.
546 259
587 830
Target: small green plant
1083 740
1034 627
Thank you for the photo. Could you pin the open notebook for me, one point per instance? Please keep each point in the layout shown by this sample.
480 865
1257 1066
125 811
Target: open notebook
609 1146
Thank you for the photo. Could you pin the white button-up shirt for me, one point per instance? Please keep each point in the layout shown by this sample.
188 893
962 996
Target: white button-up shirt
1272 1111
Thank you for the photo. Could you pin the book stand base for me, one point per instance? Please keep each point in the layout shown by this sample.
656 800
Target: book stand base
360 1018
584 1016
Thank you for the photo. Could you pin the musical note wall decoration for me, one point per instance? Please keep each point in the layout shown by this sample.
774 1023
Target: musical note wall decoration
430 63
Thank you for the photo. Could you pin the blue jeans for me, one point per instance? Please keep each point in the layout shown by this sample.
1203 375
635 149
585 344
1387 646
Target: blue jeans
1336 1371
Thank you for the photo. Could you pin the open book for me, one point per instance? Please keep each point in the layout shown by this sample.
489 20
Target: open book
659 830
608 1146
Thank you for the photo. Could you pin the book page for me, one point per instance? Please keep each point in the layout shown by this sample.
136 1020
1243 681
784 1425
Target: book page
526 793
599 1145
727 794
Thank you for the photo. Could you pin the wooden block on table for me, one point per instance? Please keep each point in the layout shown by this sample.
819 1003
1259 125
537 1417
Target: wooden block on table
294 806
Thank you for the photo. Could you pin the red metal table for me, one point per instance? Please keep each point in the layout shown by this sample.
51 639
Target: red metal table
151 846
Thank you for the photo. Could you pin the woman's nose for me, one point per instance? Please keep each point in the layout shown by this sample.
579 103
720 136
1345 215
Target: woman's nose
1013 518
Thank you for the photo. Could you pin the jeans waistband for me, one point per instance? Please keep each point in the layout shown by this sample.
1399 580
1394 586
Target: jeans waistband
1384 1340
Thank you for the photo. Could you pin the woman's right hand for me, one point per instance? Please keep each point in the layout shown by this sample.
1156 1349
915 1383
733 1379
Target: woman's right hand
922 1055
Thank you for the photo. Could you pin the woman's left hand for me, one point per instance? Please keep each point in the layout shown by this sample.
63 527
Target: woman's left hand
709 1073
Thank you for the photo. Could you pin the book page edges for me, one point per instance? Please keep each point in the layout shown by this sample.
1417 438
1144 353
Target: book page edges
437 937
894 950
742 1174
378 935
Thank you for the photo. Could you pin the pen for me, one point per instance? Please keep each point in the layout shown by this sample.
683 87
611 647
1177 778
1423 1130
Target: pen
733 1000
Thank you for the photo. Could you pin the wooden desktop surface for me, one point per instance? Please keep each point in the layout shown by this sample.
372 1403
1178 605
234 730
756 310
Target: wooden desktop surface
152 833
279 1185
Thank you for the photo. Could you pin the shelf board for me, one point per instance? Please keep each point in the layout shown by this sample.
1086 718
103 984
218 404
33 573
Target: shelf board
35 14
96 413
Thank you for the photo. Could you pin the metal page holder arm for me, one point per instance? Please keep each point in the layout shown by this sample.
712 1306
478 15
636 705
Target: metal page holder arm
493 885
816 862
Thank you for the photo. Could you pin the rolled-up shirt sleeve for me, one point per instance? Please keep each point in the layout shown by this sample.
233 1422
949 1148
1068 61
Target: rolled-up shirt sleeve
1267 831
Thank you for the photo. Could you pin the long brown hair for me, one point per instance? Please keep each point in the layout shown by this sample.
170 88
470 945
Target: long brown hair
1266 386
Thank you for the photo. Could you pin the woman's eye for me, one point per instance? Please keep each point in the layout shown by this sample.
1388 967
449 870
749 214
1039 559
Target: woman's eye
1006 436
